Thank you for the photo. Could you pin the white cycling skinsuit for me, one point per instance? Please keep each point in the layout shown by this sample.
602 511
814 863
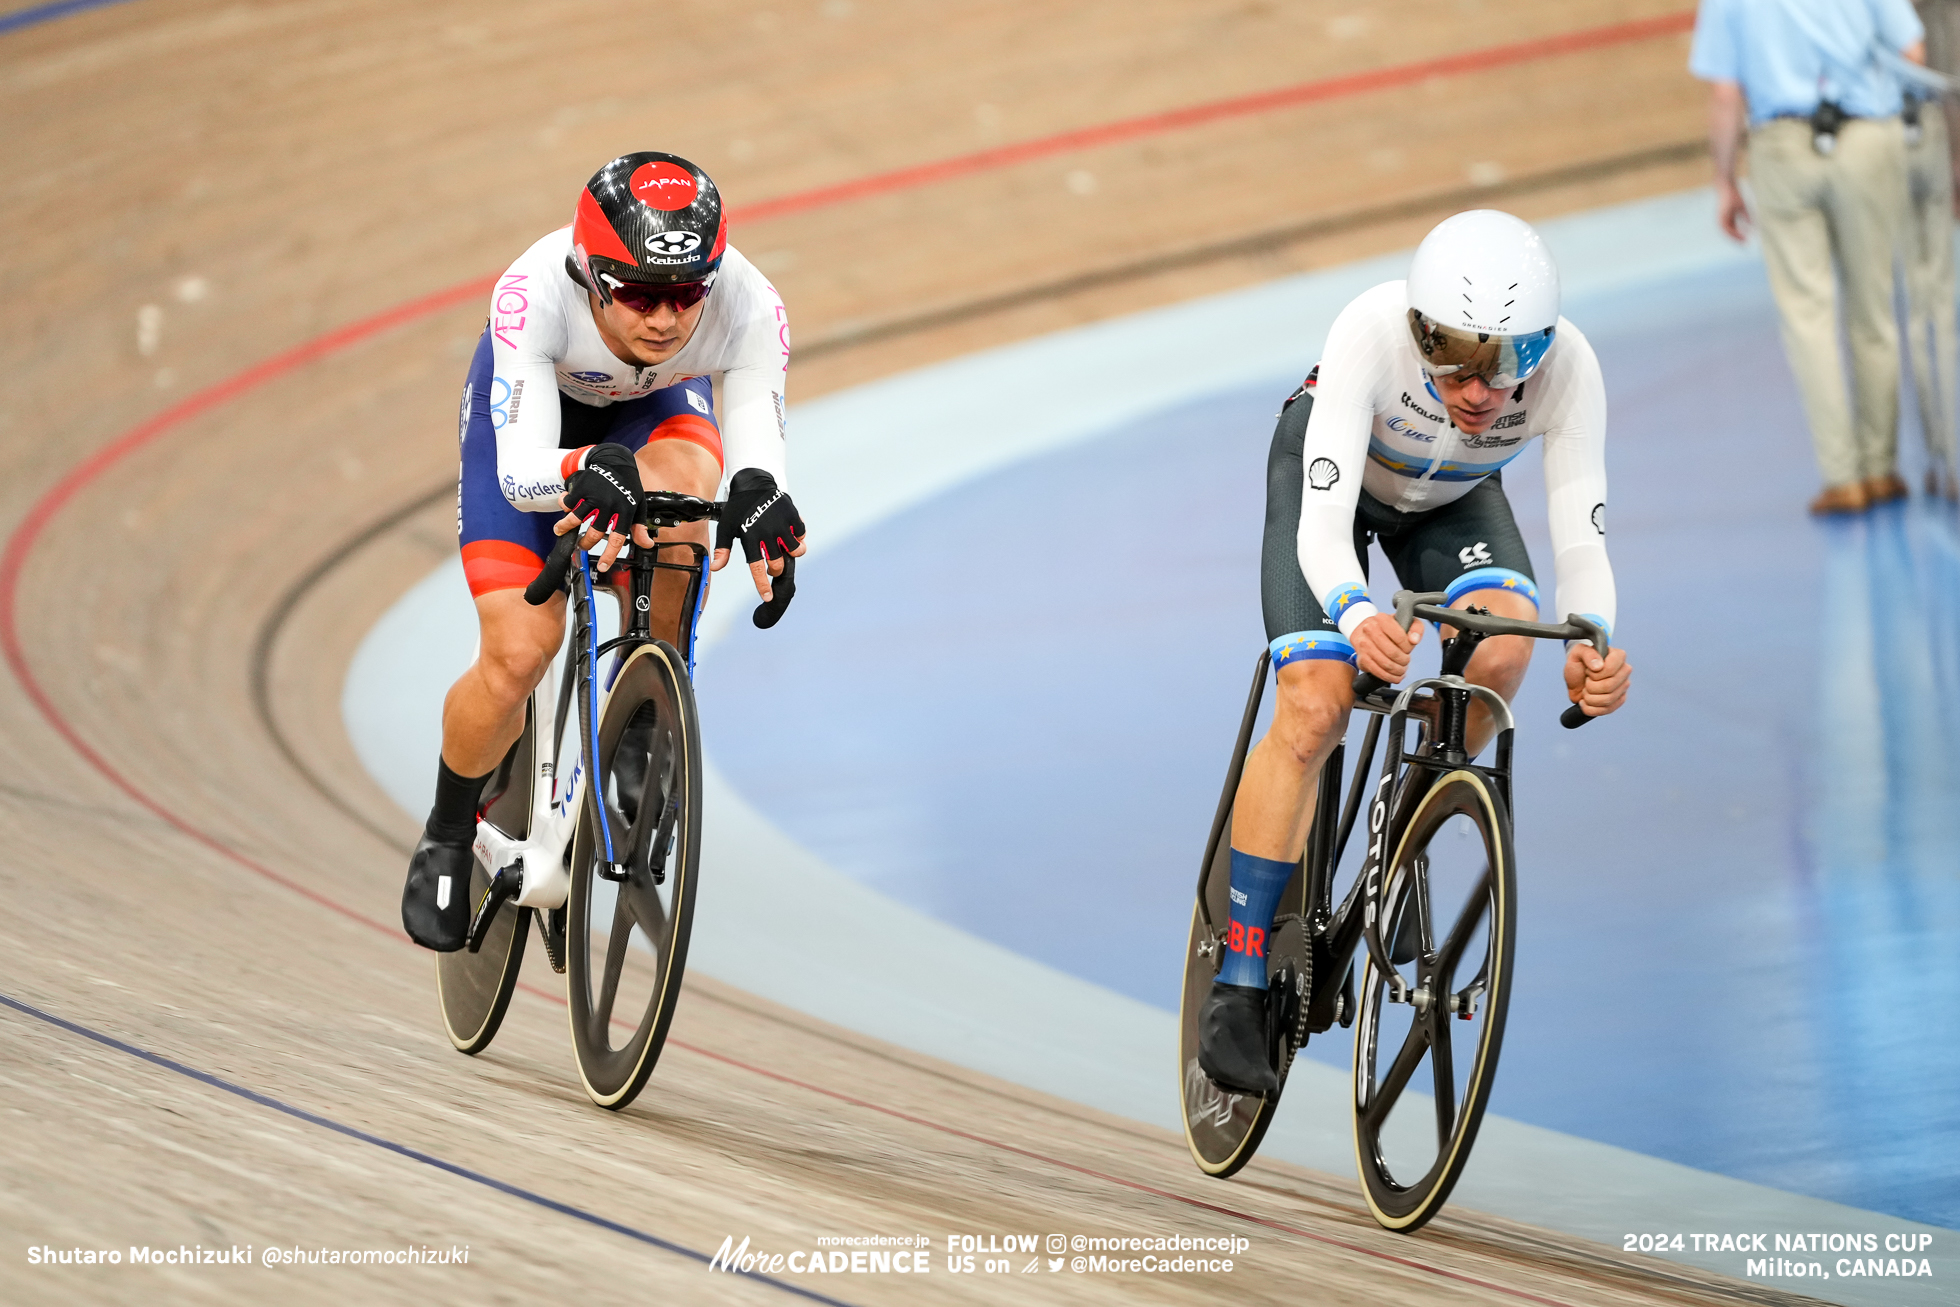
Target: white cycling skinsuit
1377 425
544 342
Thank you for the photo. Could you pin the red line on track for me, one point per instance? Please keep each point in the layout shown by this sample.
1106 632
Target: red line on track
21 543
28 531
1154 124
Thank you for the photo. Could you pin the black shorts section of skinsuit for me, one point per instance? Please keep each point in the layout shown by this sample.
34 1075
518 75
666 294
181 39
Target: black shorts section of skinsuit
1427 549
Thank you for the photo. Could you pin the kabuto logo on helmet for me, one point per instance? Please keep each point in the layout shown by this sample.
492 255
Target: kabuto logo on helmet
664 186
672 243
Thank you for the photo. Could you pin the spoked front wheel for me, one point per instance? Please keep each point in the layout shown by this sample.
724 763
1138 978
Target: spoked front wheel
1423 1068
627 939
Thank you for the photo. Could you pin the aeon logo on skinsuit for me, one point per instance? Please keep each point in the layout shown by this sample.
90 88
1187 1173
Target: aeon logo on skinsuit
664 186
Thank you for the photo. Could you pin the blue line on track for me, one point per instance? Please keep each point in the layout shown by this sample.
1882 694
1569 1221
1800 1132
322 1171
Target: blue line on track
21 18
250 1095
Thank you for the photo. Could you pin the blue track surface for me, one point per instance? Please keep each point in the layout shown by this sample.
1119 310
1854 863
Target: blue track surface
1740 930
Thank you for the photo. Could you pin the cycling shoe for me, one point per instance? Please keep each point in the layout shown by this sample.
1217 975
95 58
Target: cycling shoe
1232 1040
436 899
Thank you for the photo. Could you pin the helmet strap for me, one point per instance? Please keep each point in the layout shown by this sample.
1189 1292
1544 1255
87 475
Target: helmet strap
590 280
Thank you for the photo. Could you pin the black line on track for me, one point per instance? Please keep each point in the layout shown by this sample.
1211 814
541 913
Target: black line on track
275 621
1267 241
849 337
403 1150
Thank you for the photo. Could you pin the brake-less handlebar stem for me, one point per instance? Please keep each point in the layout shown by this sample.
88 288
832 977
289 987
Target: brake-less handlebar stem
1431 606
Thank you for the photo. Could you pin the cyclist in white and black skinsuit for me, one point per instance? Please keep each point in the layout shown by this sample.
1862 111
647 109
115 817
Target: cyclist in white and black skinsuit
1426 390
594 380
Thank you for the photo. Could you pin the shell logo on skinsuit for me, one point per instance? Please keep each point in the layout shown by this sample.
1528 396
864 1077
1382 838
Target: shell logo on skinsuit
664 186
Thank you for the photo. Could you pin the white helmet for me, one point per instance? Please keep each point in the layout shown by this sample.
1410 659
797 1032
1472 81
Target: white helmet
1483 298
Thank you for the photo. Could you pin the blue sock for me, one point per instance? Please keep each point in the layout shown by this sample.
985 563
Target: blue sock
1257 884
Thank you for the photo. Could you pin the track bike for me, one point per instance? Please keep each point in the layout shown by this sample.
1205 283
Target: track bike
590 827
1435 977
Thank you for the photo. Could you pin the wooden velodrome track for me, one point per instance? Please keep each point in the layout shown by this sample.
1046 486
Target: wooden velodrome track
199 870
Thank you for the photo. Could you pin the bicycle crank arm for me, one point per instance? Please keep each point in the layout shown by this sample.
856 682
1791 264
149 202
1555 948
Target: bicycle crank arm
503 886
543 882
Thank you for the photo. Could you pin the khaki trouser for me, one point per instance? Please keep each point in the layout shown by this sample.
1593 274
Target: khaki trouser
1927 253
1844 210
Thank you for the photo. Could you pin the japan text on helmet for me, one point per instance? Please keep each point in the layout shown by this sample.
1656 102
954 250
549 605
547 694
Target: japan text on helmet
1483 298
648 217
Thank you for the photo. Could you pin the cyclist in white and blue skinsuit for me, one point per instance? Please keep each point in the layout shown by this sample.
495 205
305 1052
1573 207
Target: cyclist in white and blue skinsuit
1426 390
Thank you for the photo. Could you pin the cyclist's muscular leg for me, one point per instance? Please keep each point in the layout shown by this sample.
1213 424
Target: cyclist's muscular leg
484 711
1275 801
1270 816
1500 661
481 717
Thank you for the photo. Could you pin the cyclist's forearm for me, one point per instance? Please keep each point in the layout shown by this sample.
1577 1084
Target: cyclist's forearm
524 411
1333 459
1575 492
754 423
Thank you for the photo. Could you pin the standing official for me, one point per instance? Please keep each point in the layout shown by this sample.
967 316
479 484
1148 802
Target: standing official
1813 81
1927 249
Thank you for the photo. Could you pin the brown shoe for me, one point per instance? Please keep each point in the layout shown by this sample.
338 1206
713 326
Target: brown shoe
1885 489
1851 497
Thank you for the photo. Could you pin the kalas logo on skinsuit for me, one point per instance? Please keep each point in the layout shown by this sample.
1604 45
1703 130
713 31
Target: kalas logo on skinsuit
664 186
1408 401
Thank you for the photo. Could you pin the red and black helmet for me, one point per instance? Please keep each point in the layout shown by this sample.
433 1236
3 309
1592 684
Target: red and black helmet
647 217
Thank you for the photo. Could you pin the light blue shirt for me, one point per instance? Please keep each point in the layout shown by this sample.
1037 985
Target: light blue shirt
1787 55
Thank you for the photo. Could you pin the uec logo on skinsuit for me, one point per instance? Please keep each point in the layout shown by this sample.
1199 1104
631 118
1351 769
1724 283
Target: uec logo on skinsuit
673 243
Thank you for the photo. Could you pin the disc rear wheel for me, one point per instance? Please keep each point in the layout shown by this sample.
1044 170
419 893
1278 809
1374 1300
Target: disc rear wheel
1222 1127
474 989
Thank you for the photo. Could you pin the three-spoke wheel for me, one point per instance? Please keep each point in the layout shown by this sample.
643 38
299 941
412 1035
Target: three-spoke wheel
627 938
1423 1068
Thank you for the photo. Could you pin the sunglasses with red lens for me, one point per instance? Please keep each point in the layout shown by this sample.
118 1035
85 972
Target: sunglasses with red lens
643 298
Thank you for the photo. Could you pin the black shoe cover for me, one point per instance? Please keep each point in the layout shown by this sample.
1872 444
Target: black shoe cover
1232 1040
436 900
